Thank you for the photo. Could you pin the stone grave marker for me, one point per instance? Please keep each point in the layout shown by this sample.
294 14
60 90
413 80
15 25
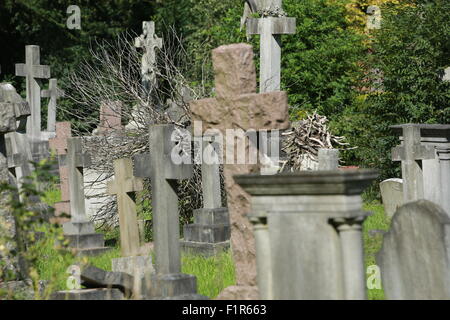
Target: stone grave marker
238 106
328 159
59 146
149 42
391 195
429 178
210 232
32 70
80 231
53 93
168 282
12 111
414 258
308 230
132 261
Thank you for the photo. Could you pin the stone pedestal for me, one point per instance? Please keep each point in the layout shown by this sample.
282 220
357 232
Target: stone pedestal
174 286
209 234
82 237
308 233
88 294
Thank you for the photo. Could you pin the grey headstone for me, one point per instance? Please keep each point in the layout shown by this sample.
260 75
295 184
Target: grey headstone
391 195
93 277
414 259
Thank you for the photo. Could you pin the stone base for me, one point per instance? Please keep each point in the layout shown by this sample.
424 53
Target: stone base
203 248
183 297
171 286
137 266
86 241
77 228
88 294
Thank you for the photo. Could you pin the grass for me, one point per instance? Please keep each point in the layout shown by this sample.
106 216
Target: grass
372 243
213 274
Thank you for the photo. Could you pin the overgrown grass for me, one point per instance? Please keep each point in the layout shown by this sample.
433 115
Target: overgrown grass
213 274
372 243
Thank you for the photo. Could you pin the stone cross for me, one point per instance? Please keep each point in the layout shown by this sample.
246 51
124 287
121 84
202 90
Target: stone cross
164 175
124 186
54 93
270 29
238 106
411 153
148 41
32 70
59 146
76 161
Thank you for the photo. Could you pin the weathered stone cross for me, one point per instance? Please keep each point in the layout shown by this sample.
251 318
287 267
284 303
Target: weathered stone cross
148 41
59 145
270 29
237 106
32 70
54 93
411 154
164 175
124 187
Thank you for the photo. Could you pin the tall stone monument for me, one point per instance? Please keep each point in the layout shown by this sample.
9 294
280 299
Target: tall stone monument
238 107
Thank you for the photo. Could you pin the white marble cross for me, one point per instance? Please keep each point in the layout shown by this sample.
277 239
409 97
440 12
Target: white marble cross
54 93
32 70
148 41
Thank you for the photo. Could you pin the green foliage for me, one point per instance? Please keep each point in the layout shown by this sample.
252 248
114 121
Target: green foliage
320 62
412 50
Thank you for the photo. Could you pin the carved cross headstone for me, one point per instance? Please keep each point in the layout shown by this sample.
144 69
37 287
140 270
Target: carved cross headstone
237 106
270 28
148 41
59 146
32 70
411 153
124 186
54 93
164 175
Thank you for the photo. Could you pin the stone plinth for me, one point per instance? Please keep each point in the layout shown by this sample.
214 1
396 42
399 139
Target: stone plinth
308 232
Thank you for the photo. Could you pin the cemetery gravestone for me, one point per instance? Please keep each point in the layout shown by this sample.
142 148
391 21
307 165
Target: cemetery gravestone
54 93
238 107
59 145
12 113
308 227
429 179
168 282
124 187
391 195
210 232
148 41
33 71
80 231
414 259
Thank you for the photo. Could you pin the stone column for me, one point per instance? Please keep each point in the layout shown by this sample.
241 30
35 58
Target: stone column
444 166
350 232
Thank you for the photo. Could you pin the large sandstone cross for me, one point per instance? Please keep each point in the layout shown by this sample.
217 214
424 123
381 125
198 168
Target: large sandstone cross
54 93
32 70
238 106
124 186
